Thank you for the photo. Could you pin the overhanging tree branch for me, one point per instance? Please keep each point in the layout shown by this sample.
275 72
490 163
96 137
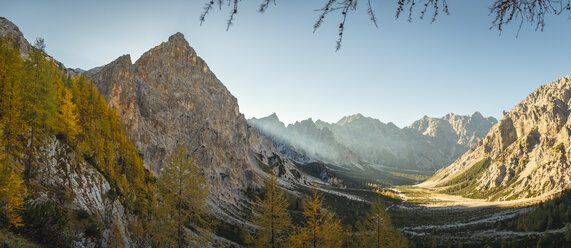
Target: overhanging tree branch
504 11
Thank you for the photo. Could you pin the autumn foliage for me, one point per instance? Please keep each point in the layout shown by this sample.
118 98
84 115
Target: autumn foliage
38 101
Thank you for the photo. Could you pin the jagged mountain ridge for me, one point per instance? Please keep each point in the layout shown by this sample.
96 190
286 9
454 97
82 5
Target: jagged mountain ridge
525 155
427 144
305 141
170 96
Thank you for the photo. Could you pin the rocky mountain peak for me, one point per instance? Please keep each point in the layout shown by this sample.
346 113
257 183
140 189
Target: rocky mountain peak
178 38
350 118
477 116
527 151
170 97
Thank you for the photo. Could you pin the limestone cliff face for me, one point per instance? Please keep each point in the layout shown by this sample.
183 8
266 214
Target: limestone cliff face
59 176
170 96
528 149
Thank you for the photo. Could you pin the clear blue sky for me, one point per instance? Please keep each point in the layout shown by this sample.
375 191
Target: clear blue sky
273 62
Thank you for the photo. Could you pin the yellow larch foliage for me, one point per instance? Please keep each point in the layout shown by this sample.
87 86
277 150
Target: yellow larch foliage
68 115
273 218
12 193
376 231
320 228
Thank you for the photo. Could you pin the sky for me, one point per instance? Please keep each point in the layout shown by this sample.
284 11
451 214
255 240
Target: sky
274 62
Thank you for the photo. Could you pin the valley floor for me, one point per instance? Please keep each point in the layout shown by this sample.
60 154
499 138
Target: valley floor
426 215
430 197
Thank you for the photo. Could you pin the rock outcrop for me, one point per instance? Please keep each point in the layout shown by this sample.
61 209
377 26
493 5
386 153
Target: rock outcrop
427 144
169 96
62 178
527 151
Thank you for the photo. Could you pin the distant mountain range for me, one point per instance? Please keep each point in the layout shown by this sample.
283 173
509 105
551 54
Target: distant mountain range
355 141
525 155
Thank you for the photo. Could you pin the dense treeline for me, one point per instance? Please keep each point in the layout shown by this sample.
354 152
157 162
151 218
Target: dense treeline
38 101
549 215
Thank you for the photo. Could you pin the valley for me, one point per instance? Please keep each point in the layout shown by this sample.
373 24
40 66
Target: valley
98 157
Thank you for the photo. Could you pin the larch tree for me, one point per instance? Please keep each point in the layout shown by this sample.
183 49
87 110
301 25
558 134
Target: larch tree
67 114
376 231
273 217
180 204
503 11
320 227
12 126
12 194
40 106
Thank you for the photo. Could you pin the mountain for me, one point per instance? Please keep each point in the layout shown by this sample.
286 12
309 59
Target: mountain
130 118
525 155
170 96
305 141
427 144
463 129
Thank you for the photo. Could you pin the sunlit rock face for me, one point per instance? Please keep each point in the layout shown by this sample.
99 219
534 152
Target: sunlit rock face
169 96
528 149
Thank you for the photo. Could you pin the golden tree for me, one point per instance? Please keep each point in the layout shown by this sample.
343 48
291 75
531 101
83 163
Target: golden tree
376 231
68 115
182 194
12 126
320 228
273 219
12 193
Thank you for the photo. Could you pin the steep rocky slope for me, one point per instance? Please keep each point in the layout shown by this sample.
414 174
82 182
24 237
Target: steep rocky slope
523 156
170 96
61 180
427 144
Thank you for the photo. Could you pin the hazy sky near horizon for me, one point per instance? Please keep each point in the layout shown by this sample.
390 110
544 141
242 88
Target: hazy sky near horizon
273 62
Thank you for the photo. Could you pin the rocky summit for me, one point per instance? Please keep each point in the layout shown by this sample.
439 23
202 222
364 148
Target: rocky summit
427 144
169 96
525 155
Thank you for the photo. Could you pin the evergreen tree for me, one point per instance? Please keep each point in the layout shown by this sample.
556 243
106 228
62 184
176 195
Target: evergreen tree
320 228
273 219
182 194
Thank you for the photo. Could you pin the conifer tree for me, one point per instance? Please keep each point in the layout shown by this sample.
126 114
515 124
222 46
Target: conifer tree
68 114
376 231
182 194
12 126
39 91
320 228
12 193
273 219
